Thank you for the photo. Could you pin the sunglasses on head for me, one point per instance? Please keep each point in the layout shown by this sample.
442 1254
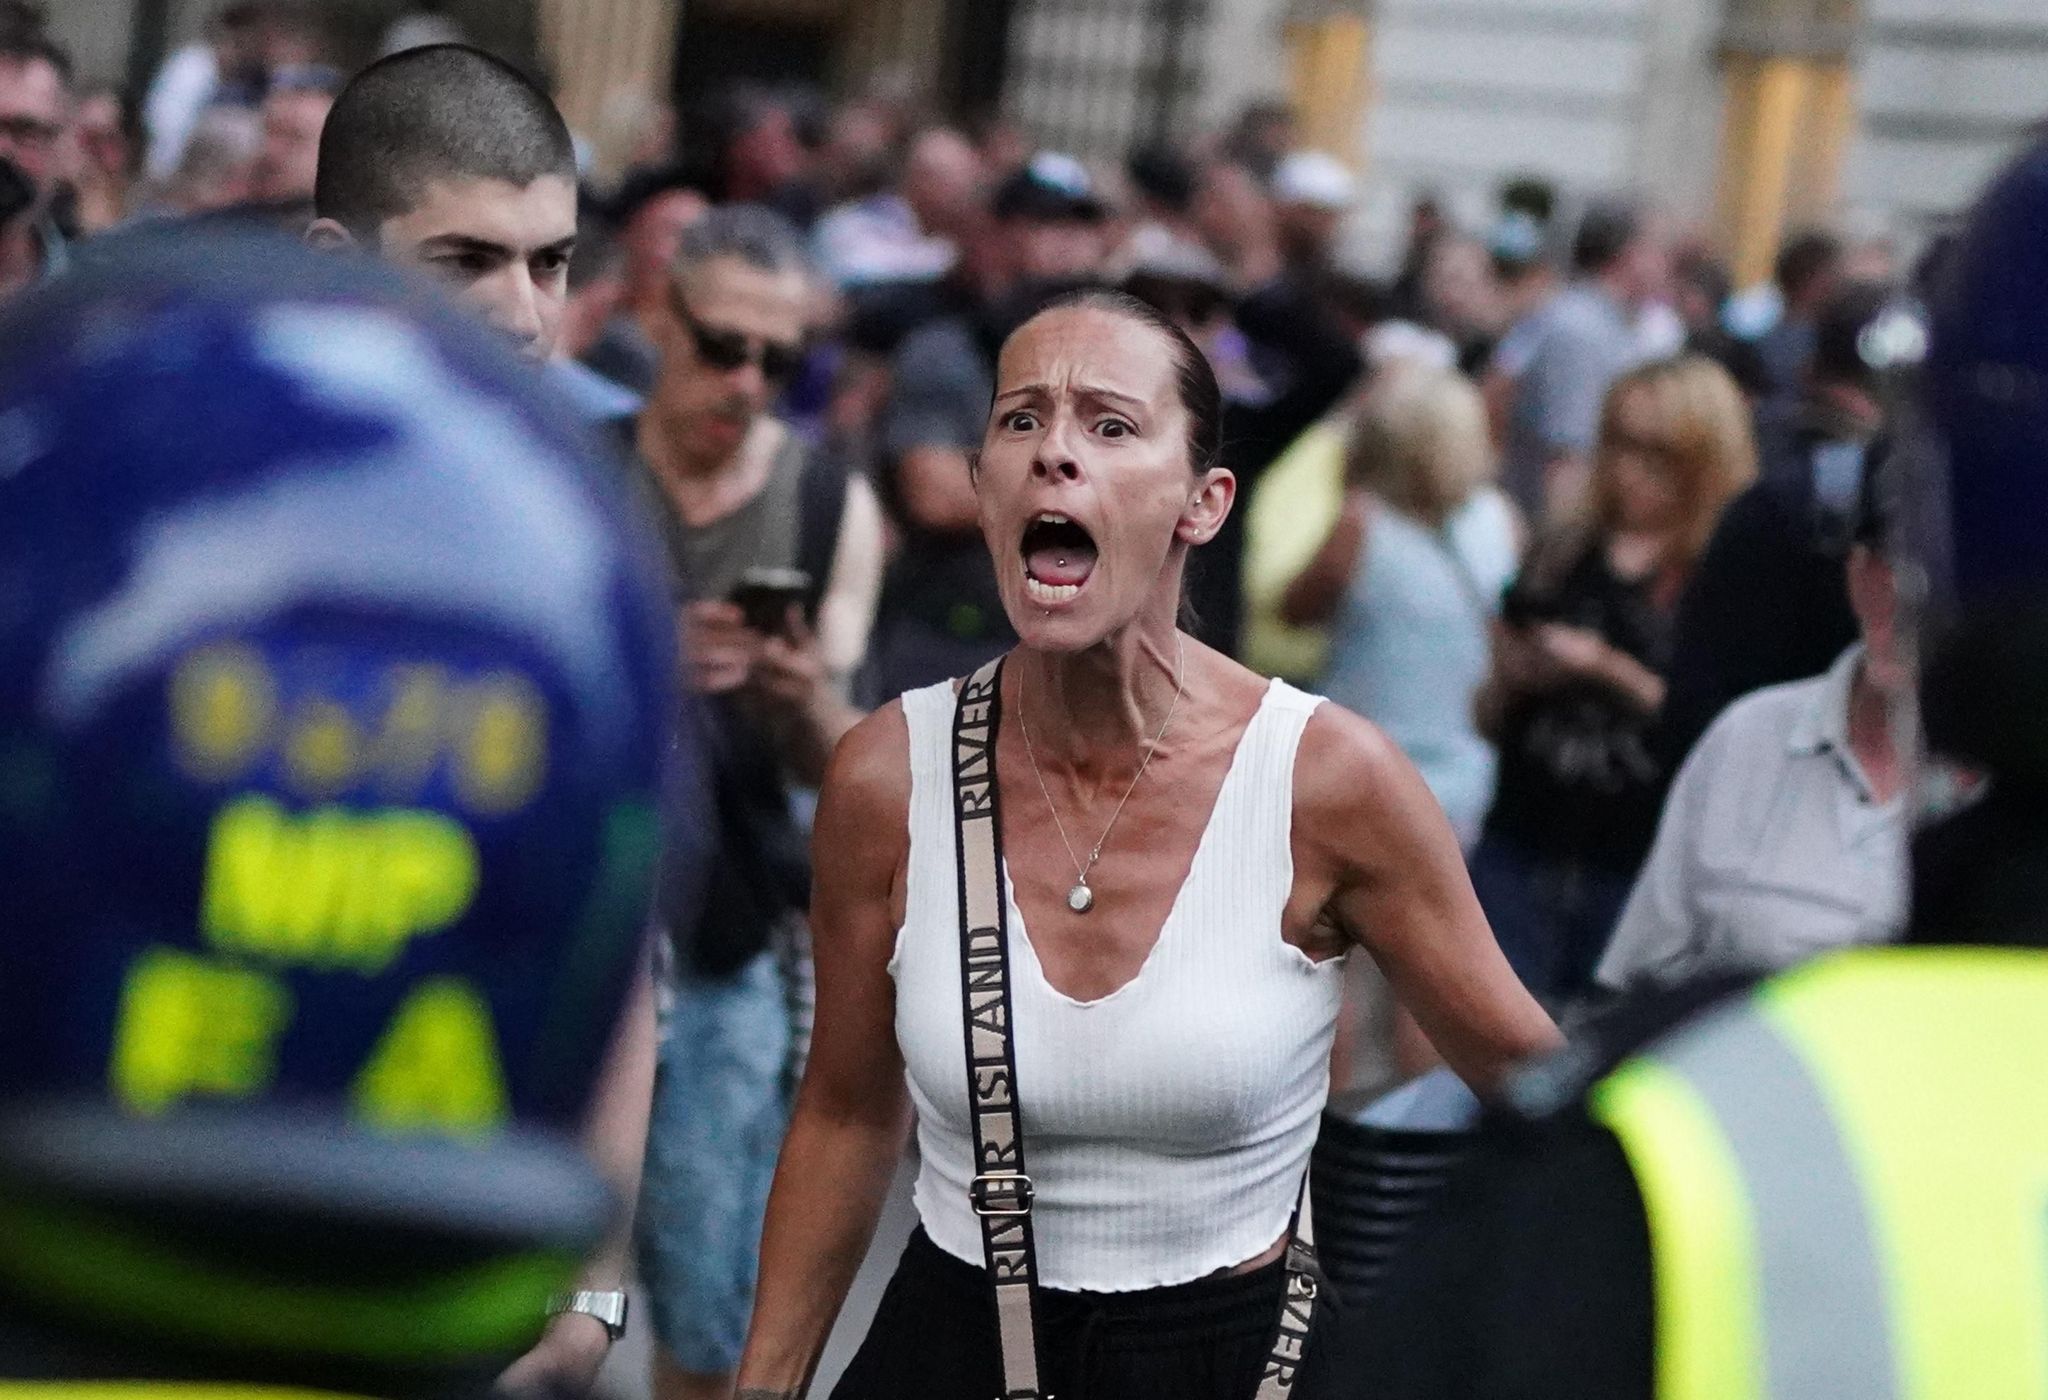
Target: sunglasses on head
726 351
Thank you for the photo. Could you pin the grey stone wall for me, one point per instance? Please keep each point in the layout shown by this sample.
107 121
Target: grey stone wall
1946 91
1595 95
96 32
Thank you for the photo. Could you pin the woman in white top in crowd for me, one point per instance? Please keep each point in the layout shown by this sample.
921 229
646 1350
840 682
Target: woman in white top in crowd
1190 851
1411 579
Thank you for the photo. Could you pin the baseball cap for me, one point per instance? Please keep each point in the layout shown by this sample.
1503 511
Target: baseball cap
1318 180
1049 186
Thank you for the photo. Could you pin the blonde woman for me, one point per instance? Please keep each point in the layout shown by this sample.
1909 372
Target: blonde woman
1578 660
1411 579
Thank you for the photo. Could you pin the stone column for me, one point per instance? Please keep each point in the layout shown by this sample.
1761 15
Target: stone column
608 56
1786 121
1329 63
1243 59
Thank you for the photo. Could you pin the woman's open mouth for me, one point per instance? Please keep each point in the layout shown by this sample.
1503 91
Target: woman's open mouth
1058 557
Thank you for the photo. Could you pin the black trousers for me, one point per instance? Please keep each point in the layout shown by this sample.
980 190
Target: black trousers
934 1337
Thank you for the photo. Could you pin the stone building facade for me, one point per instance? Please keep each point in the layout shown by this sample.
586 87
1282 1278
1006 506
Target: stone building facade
1745 117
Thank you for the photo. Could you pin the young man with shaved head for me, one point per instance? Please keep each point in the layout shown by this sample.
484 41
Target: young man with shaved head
450 160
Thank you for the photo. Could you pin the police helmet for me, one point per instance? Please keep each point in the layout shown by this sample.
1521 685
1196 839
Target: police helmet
1977 449
335 682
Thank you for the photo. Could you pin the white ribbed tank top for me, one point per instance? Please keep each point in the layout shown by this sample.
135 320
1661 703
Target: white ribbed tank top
1166 1125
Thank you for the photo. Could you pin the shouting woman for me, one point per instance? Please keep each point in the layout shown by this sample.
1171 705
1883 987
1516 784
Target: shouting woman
1161 860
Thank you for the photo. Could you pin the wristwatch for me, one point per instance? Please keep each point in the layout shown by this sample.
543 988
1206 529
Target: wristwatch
608 1308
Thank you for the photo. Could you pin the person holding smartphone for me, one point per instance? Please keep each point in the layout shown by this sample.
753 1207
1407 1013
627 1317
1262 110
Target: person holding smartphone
777 556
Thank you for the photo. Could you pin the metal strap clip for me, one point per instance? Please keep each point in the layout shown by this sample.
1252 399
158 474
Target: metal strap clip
1001 1194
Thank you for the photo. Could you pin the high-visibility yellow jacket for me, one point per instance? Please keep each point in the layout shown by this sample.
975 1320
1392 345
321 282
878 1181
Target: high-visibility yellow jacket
1846 1180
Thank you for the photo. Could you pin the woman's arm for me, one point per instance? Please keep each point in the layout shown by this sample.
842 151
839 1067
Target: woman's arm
852 1111
1519 666
1579 651
1312 598
846 613
1366 816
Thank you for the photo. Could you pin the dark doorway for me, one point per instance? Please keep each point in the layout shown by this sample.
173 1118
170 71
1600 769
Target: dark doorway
715 50
977 56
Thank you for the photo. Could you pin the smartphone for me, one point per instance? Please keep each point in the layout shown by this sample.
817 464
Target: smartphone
764 597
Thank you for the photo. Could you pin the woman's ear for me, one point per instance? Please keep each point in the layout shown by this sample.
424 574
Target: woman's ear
1208 507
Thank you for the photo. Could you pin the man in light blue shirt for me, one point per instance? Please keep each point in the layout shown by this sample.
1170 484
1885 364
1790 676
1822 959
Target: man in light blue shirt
1561 361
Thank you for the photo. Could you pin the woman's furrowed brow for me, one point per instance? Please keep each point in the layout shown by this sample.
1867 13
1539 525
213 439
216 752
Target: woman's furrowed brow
1110 396
1095 392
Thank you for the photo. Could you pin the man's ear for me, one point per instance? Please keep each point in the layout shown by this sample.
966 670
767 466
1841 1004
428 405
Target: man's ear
329 236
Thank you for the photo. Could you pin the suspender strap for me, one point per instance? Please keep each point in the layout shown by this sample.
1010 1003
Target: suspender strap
1001 1190
1297 1305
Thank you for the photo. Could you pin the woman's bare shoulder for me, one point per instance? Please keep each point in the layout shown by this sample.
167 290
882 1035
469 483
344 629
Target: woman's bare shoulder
1352 782
1339 747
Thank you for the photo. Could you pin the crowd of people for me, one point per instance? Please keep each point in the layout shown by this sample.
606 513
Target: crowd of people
1596 543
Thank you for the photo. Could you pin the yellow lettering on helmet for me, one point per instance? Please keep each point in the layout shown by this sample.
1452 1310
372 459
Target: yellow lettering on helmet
223 703
436 1069
429 869
501 753
323 753
408 742
311 921
235 712
190 1026
333 888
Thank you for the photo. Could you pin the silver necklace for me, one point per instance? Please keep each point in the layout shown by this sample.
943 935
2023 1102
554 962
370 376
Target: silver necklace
1080 898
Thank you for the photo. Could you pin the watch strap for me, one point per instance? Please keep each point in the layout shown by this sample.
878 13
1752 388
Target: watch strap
608 1307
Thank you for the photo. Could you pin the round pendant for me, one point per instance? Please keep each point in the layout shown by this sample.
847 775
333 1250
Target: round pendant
1080 899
